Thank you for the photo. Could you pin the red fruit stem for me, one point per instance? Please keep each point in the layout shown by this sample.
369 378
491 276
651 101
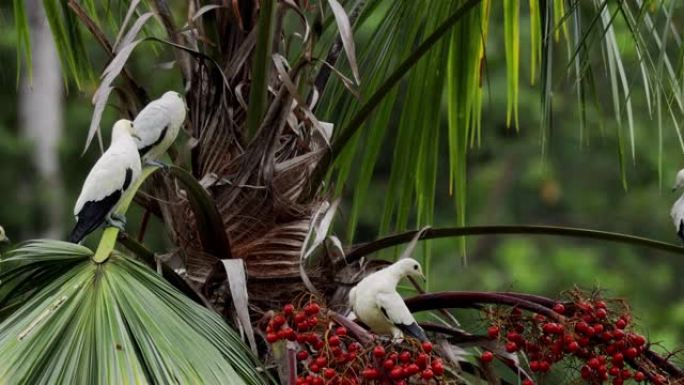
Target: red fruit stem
470 299
355 252
663 364
361 334
291 365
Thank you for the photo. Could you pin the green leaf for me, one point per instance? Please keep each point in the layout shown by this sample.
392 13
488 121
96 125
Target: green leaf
23 38
68 40
512 43
261 65
111 323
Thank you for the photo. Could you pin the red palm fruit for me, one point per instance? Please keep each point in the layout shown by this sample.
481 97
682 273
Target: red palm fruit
312 308
405 357
511 347
278 321
302 355
334 341
621 323
598 328
527 381
317 381
312 322
427 346
572 347
617 358
388 364
411 369
396 373
437 367
290 334
271 337
637 340
427 374
534 366
370 373
341 331
421 360
639 376
329 372
493 332
544 366
379 351
594 363
487 356
321 361
288 309
601 313
302 326
300 317
631 352
559 308
313 367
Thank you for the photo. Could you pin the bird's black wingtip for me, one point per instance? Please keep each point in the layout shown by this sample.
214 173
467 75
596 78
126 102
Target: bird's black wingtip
414 330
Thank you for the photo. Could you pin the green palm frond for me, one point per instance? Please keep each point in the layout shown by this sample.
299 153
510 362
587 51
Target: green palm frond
117 322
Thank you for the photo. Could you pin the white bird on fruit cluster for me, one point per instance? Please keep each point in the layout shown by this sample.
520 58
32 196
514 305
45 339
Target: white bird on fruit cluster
157 126
677 211
108 180
376 302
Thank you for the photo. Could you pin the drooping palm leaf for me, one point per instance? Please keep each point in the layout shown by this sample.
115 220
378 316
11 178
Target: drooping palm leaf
111 323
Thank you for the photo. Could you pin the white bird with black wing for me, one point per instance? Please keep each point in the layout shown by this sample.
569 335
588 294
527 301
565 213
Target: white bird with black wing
376 302
108 180
677 211
157 126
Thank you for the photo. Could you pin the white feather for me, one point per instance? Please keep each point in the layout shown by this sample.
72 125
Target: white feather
377 291
677 212
109 172
166 112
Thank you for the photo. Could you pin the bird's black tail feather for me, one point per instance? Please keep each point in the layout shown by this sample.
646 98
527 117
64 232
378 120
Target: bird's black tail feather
80 231
414 330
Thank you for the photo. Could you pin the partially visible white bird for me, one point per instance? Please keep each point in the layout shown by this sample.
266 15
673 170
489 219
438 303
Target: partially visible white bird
376 302
3 237
157 126
677 211
108 180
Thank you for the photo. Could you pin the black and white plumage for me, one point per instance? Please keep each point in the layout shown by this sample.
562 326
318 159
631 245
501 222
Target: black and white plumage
158 124
108 180
677 211
376 302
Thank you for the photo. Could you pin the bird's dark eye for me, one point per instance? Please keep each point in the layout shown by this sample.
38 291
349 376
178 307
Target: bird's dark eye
415 267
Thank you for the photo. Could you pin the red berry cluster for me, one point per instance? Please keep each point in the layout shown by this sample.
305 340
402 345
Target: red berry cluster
327 353
587 330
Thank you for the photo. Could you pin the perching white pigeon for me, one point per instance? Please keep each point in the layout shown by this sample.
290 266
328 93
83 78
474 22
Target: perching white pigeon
108 180
677 211
376 302
158 124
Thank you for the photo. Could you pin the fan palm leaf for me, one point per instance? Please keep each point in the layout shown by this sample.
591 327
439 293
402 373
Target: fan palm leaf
115 322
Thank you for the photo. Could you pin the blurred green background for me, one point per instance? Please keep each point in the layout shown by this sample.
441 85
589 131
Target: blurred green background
575 183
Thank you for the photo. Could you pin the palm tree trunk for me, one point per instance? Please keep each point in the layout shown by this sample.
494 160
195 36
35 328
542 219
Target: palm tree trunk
40 114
